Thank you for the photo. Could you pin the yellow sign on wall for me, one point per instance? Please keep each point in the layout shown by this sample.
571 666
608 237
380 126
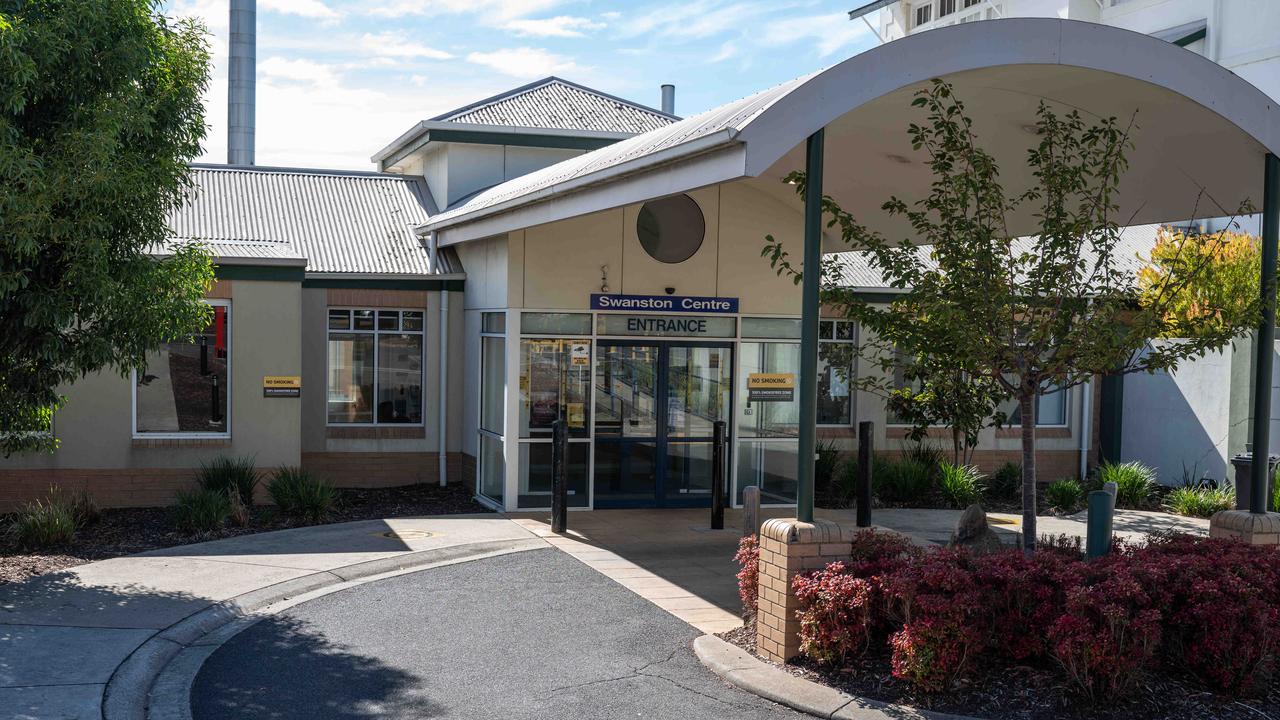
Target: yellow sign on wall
771 387
281 386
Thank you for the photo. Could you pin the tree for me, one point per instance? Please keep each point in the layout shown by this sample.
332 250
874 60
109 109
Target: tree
927 392
1023 315
100 114
1229 279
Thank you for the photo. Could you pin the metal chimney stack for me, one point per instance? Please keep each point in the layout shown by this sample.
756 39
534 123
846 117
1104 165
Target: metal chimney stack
669 99
242 77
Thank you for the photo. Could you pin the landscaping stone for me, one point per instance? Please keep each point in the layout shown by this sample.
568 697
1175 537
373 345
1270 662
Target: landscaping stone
973 532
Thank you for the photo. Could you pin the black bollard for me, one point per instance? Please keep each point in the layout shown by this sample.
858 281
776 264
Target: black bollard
559 483
215 414
719 447
864 474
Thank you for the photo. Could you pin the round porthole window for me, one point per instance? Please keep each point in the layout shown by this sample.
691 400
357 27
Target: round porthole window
671 229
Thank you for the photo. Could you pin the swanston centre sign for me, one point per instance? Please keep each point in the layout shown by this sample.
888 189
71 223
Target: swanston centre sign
664 303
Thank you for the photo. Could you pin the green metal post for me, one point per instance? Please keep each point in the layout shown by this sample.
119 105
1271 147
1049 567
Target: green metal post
1265 347
809 327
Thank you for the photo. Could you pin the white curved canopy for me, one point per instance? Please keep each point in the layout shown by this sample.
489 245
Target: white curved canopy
1201 132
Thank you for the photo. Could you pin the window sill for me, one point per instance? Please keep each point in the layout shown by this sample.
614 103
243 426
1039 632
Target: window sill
175 442
376 432
1049 431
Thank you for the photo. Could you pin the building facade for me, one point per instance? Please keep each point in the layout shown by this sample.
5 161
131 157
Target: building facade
556 253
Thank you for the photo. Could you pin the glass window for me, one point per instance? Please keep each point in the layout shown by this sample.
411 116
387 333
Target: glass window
374 367
1051 409
186 384
555 379
492 477
671 228
535 474
493 383
350 384
784 328
835 374
493 322
924 13
772 466
555 323
768 419
946 7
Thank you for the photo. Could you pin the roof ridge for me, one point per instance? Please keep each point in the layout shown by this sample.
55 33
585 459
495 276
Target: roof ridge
282 170
545 82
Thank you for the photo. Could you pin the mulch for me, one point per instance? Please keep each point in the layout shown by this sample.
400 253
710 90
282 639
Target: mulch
1025 693
125 531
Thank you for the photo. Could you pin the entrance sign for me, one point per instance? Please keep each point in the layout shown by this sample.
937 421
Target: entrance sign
771 387
664 303
667 326
281 386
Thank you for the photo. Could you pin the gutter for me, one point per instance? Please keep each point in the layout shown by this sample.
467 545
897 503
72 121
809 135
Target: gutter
400 145
683 151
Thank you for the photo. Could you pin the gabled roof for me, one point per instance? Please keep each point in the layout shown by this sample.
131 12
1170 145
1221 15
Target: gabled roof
340 222
556 104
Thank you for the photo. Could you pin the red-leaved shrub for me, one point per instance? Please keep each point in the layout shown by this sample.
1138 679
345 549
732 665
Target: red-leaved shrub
944 619
1024 595
837 612
748 559
1109 630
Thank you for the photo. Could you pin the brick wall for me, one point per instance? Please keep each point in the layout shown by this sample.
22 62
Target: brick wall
131 487
381 469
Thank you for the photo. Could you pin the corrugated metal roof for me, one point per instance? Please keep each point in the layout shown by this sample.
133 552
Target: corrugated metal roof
558 104
724 119
339 221
1132 252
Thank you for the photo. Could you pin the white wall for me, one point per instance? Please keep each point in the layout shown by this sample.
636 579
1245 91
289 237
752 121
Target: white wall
1179 422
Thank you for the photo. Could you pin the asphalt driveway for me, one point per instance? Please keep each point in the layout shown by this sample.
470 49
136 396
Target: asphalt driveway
534 634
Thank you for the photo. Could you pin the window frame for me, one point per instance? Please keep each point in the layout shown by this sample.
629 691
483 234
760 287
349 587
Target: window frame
1066 411
227 412
375 332
835 339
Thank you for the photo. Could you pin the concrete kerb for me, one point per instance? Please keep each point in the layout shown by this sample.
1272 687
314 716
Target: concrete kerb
154 682
743 670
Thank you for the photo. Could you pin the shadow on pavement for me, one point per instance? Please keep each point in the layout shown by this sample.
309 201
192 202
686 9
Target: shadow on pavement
343 685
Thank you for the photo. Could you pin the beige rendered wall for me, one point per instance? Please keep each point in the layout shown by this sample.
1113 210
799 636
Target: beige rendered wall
98 450
563 261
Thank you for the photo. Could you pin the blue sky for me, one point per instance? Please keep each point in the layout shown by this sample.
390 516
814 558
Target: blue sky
339 79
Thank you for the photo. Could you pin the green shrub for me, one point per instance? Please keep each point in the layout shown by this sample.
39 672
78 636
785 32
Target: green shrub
201 510
1275 491
903 481
1006 482
228 474
930 456
1135 483
1199 501
843 490
44 523
83 508
1065 495
297 492
961 485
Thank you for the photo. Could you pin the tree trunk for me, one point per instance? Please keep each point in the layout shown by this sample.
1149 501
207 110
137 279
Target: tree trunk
1027 408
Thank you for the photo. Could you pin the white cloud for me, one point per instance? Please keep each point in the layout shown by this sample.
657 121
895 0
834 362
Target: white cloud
829 32
559 26
297 71
524 62
395 44
301 8
696 19
492 11
727 50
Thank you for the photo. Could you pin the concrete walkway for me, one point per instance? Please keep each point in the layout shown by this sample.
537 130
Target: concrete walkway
89 642
86 643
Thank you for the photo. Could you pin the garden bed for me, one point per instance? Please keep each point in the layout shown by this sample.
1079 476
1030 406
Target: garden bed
125 531
1022 693
1180 627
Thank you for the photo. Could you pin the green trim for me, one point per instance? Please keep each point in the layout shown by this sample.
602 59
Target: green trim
480 137
1200 34
384 284
263 273
1111 417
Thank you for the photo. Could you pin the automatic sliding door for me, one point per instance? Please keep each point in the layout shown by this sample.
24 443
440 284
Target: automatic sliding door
626 425
699 384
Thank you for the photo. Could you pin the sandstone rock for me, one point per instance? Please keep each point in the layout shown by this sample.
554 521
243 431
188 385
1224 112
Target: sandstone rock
973 532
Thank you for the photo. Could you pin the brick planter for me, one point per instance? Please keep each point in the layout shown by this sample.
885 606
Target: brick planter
789 547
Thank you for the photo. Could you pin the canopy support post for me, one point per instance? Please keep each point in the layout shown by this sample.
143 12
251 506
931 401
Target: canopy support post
1265 347
810 308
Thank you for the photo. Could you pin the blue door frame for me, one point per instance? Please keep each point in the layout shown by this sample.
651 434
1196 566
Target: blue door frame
661 441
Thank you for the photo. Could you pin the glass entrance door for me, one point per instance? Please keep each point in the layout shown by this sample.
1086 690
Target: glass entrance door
656 404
